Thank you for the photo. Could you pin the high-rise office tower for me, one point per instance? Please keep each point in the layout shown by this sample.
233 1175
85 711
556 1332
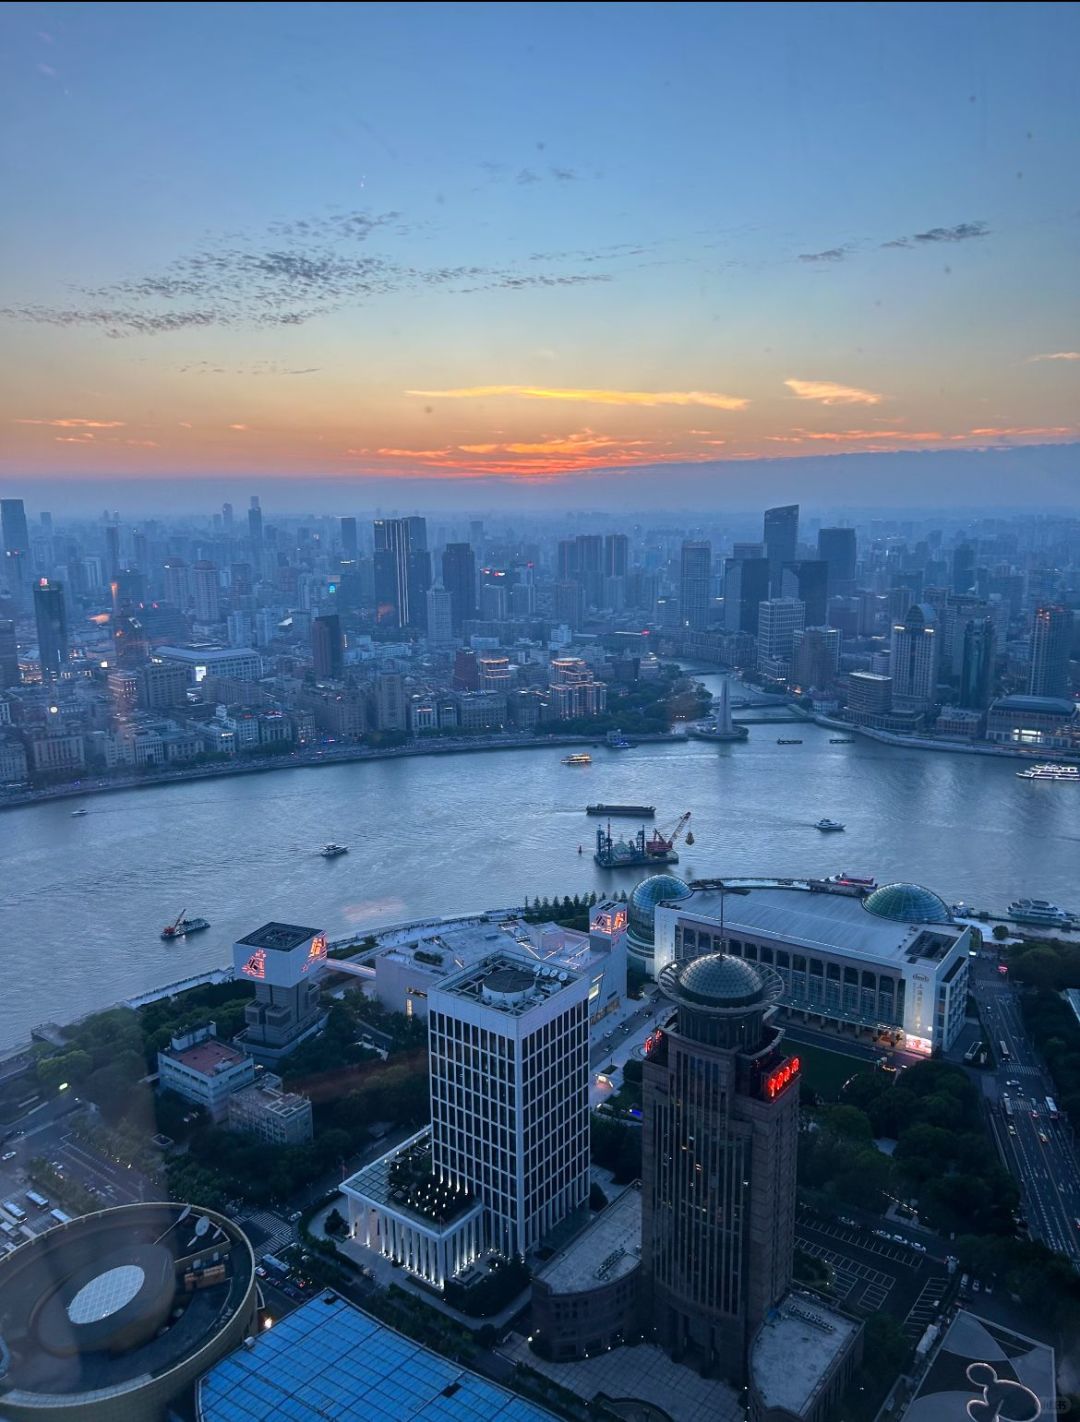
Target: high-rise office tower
720 1120
255 530
508 1061
328 647
913 661
815 657
977 666
440 616
227 519
402 571
746 587
616 555
570 604
206 592
695 585
54 643
590 572
778 620
836 547
9 654
16 541
808 581
1051 643
350 545
459 580
176 577
963 568
566 560
781 540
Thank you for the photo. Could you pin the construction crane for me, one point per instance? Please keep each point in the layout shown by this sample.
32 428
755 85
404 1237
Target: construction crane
660 843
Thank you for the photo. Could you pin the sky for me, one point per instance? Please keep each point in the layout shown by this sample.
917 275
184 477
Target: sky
568 247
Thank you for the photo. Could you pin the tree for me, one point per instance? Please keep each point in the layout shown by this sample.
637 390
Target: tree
1001 932
335 1223
847 1121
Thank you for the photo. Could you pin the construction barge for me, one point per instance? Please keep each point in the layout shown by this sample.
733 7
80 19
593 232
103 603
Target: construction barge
658 848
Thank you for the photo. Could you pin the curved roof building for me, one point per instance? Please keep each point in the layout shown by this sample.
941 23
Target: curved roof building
907 903
114 1314
641 914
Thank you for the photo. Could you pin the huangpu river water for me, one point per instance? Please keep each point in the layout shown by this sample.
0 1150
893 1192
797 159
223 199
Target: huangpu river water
83 900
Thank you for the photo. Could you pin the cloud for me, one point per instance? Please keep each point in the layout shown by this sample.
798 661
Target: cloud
72 424
827 392
1001 432
831 254
642 398
798 436
238 427
1054 355
962 232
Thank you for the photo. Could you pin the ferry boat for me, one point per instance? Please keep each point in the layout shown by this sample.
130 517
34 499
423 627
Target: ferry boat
1039 911
829 826
75 814
636 812
182 926
780 741
1049 771
839 740
582 759
331 850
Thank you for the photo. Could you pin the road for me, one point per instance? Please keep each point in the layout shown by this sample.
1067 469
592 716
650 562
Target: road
1039 1152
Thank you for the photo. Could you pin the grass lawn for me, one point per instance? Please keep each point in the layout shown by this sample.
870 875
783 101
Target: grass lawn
827 1071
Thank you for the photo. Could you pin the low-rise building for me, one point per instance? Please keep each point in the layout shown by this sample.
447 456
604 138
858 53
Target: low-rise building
275 1116
201 1069
801 1360
13 766
481 710
204 659
1034 722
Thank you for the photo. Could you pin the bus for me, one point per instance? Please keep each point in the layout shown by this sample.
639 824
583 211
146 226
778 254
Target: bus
60 1217
1004 1051
39 1202
17 1214
1007 1106
1051 1108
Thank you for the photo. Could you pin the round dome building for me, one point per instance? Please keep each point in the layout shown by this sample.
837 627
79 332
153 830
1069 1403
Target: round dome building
641 916
907 903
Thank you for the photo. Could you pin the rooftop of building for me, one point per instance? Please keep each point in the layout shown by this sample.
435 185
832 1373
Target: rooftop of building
396 1182
508 981
816 916
267 1092
1045 705
201 654
99 1305
280 937
608 1249
979 1357
327 1359
439 950
207 1057
795 1351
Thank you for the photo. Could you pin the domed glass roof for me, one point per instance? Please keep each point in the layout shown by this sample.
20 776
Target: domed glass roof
641 909
721 980
907 903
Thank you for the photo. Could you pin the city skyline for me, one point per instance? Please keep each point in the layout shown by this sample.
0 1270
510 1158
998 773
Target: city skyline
540 258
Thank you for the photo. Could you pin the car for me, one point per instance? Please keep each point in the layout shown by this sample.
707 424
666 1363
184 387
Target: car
976 1286
1042 1137
1034 1115
8 1155
1012 1129
295 1216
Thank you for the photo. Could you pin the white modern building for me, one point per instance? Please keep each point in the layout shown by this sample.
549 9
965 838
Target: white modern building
203 1070
506 1157
779 618
409 968
889 964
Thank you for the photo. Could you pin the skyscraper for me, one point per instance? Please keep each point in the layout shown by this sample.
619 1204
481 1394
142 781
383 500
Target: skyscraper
16 541
781 540
206 592
977 666
836 547
440 624
9 654
808 581
112 550
54 643
350 546
255 531
1051 642
913 660
720 1108
459 580
402 571
695 585
746 587
963 568
616 555
778 619
328 647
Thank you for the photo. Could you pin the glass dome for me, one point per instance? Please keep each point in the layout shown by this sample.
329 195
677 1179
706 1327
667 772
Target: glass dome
907 903
721 980
641 909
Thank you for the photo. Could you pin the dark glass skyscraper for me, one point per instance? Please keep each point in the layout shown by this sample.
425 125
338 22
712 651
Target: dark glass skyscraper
328 647
16 540
720 1120
781 541
977 667
1051 641
695 585
808 581
54 644
616 555
746 587
350 547
402 571
9 654
836 547
459 580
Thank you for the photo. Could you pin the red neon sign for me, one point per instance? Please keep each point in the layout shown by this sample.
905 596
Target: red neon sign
652 1041
784 1074
255 967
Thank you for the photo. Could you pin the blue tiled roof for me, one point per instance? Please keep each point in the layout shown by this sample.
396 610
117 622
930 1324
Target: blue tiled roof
329 1362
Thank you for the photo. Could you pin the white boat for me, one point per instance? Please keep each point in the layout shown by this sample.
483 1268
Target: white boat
1050 771
1038 911
331 850
76 813
829 826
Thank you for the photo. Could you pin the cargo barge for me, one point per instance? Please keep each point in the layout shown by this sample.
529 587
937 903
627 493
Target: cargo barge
635 812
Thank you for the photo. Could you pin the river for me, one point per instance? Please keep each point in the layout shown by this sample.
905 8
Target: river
83 900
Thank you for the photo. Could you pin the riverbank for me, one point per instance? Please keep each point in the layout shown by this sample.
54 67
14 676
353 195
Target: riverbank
888 738
334 755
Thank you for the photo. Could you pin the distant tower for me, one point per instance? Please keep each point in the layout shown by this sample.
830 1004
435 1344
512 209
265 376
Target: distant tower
781 541
977 667
459 579
207 592
54 643
328 647
695 579
913 660
16 541
440 628
720 1120
836 547
1051 643
350 546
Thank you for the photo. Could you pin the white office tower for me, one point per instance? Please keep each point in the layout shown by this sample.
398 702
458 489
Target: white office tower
506 1157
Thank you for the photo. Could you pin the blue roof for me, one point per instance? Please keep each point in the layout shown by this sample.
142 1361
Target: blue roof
328 1360
907 903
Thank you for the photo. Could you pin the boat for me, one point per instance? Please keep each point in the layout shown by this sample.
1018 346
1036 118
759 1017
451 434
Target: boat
182 926
828 826
582 759
781 742
636 812
615 740
331 850
1049 771
614 853
76 813
852 881
839 740
1040 912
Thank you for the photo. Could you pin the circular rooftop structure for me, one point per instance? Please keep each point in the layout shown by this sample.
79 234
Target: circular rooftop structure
641 908
119 1311
720 985
907 903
